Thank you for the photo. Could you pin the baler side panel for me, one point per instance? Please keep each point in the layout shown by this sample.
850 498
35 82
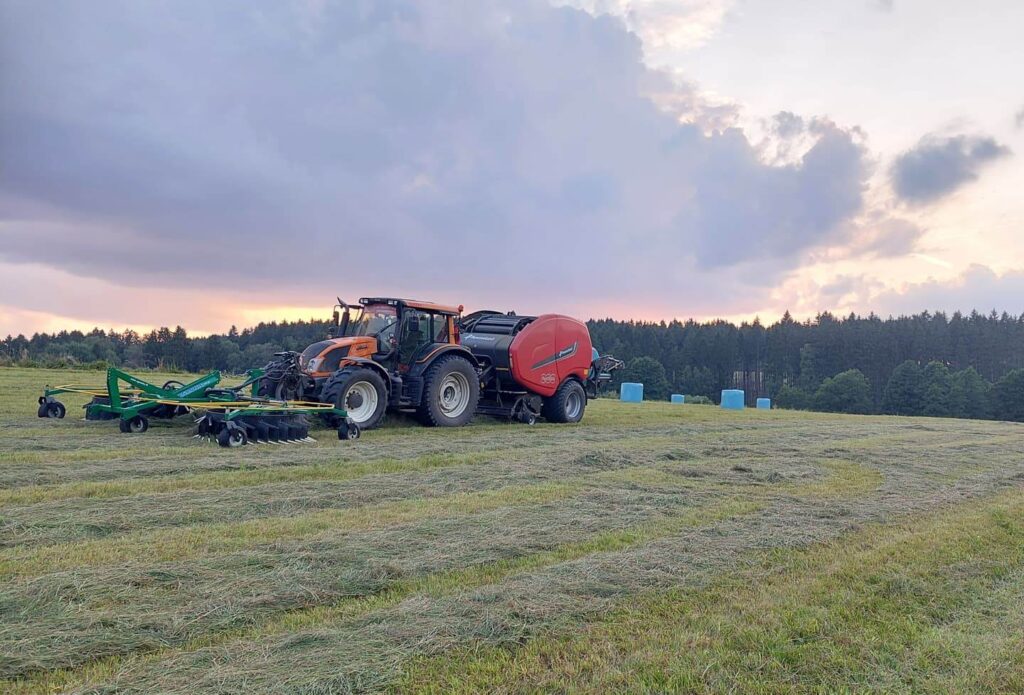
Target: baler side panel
571 332
548 351
530 349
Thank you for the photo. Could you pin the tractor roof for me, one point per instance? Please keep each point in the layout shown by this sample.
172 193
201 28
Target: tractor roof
415 304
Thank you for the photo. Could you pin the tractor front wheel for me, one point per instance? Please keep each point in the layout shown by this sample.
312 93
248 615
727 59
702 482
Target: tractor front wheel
360 392
451 391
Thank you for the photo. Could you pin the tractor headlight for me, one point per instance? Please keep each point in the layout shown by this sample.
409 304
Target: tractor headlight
313 364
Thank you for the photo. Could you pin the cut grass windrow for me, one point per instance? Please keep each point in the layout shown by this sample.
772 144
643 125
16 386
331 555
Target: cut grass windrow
935 604
33 494
248 477
177 544
183 544
435 585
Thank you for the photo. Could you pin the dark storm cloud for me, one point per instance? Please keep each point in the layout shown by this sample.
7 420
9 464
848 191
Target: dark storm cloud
332 144
746 210
937 166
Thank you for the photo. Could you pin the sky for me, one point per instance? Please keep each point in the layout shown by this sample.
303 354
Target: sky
215 164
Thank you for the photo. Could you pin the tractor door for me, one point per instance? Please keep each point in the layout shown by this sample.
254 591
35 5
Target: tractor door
419 330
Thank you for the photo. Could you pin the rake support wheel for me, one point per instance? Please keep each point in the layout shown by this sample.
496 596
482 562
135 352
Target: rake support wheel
137 424
232 437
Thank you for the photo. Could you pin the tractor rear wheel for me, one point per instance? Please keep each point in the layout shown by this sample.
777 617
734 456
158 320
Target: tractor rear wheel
451 391
567 405
359 391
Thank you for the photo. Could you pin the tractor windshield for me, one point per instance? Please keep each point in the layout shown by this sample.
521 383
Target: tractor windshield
373 319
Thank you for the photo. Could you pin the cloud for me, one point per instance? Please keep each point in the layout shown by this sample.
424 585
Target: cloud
491 150
1019 119
664 25
937 166
885 237
978 288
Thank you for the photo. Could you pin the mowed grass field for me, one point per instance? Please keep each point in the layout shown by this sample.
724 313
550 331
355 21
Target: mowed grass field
652 548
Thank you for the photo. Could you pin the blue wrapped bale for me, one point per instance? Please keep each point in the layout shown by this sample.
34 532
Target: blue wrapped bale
732 399
764 403
631 392
678 398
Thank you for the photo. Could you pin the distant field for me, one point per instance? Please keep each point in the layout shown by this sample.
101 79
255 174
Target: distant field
652 548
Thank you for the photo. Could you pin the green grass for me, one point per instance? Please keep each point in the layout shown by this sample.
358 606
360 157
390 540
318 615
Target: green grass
934 605
652 547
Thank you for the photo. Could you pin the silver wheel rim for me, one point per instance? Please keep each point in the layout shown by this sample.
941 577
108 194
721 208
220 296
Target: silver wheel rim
365 410
453 394
573 405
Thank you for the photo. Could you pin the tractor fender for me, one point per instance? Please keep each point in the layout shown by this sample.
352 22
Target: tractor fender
370 364
423 364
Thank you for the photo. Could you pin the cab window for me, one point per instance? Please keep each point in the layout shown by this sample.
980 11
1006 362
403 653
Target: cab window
416 332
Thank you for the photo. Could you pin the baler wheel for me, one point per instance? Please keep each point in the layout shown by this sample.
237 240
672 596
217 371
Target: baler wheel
451 392
568 403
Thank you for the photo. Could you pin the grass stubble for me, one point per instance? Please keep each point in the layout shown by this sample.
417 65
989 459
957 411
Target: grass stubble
424 560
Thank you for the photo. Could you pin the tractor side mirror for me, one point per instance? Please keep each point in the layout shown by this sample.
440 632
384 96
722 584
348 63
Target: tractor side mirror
336 316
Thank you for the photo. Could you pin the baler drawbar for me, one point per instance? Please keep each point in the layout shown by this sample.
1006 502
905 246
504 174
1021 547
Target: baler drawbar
229 415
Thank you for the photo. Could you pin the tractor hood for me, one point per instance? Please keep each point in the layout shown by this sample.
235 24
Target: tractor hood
324 358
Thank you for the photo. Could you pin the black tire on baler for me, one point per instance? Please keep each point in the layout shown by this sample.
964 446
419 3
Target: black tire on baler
337 387
567 405
450 377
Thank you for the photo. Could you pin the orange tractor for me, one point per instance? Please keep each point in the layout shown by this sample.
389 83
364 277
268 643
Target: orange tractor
425 358
385 353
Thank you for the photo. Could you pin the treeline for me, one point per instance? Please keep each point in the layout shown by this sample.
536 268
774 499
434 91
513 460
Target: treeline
169 349
796 363
927 364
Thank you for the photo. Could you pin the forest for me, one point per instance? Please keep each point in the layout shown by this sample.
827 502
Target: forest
926 364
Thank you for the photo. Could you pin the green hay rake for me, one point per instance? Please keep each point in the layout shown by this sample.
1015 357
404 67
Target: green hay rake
231 416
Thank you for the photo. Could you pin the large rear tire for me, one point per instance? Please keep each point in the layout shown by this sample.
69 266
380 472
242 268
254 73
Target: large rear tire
360 391
451 391
567 405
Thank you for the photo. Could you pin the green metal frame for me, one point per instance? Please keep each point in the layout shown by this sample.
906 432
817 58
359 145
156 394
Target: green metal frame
141 396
